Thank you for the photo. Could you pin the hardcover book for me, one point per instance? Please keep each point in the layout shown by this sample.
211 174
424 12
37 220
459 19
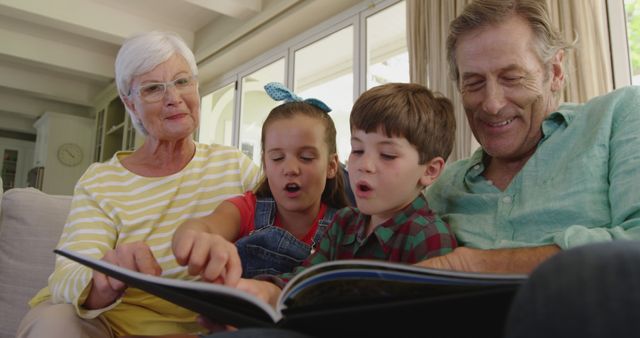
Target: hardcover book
362 297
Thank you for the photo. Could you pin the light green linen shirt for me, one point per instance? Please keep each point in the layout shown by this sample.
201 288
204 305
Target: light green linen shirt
582 185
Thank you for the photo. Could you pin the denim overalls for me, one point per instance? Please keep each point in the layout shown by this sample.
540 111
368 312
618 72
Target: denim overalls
269 249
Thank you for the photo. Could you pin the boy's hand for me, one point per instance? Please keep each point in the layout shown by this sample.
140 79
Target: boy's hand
105 290
208 255
266 291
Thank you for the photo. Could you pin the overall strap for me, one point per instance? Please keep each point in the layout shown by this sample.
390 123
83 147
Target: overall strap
265 212
323 224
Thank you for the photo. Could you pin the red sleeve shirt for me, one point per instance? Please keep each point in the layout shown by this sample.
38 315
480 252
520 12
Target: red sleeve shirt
246 205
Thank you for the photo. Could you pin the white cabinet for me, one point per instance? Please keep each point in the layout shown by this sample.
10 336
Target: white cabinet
114 130
55 130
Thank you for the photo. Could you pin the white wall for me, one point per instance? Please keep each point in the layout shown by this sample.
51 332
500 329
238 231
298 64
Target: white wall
17 123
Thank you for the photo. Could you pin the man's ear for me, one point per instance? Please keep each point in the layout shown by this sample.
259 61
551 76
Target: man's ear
557 71
333 166
432 171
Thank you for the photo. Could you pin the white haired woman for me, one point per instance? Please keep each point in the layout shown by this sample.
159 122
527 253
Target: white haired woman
125 210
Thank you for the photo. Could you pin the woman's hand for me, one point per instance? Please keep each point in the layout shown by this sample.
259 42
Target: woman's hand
135 256
211 256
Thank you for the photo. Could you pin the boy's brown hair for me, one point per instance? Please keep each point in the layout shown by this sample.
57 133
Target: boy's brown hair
334 191
411 111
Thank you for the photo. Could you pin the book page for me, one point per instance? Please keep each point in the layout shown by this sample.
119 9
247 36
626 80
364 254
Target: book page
352 281
214 301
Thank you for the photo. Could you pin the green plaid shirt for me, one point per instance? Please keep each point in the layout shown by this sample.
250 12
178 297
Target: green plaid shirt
414 234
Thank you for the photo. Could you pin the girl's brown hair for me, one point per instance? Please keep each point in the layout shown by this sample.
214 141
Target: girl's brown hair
334 191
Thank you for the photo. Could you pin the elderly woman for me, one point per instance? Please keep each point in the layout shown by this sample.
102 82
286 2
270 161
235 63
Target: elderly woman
126 209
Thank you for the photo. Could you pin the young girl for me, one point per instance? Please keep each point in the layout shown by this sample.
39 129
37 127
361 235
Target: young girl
276 226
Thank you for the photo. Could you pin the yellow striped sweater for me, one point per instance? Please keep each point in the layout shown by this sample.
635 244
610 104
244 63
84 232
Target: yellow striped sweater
112 206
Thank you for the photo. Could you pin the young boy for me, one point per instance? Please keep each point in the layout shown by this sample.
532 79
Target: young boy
401 135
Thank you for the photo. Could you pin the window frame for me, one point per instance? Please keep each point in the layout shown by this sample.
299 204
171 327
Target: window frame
619 43
356 16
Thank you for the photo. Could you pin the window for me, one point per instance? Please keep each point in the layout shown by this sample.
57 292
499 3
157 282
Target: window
256 105
387 52
329 78
334 62
632 11
216 118
624 35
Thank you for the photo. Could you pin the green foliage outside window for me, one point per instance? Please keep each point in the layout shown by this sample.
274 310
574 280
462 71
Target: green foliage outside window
632 8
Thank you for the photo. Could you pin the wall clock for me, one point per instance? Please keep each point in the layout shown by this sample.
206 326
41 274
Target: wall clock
70 154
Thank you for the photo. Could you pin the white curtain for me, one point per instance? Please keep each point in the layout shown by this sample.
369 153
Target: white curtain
428 27
589 71
589 66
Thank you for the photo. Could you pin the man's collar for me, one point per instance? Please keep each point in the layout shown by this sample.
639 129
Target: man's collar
475 166
563 115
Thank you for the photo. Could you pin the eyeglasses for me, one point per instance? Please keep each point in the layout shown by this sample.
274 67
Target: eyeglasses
154 92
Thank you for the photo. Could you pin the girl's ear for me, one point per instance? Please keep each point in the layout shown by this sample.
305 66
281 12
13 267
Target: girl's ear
333 166
432 171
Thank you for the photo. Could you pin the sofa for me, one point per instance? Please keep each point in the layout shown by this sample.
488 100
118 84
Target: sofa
30 225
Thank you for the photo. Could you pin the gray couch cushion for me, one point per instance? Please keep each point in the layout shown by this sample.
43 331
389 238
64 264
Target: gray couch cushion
30 227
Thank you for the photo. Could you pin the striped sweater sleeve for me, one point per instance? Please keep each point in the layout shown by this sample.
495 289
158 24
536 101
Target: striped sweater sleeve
250 173
90 231
112 207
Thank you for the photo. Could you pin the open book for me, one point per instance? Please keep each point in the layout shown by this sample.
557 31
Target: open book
346 296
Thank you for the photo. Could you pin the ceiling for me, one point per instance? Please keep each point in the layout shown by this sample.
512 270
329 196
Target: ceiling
58 55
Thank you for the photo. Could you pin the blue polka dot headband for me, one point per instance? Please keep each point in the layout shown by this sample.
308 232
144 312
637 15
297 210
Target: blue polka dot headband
279 92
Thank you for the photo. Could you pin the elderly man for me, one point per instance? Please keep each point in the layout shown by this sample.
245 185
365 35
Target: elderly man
548 176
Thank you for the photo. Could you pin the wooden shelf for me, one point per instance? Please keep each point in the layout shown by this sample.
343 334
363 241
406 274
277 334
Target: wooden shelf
112 130
115 128
8 165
